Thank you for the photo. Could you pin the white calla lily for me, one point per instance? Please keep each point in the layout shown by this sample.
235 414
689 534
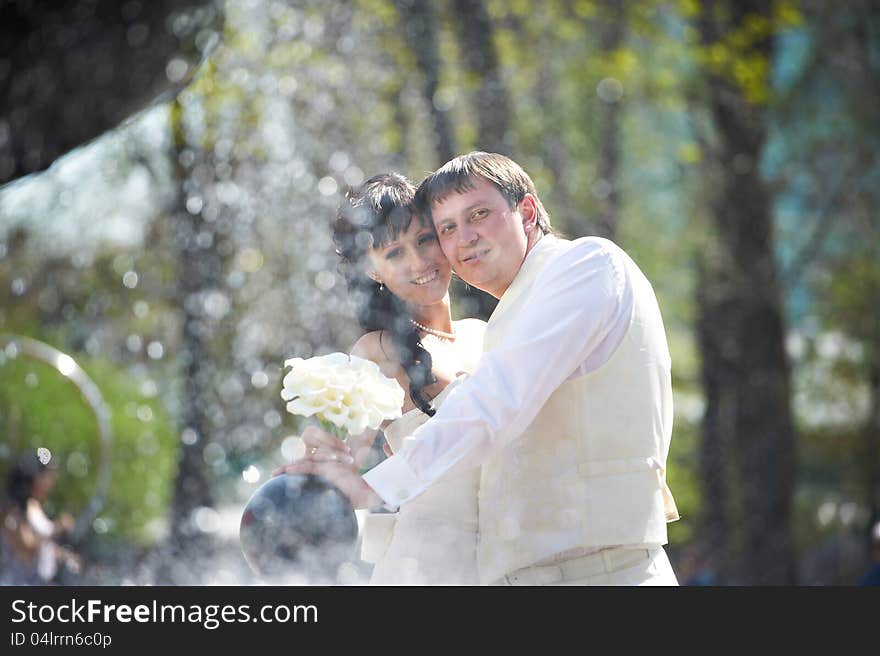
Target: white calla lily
348 392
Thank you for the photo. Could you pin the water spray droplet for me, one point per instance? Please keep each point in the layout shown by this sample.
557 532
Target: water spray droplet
44 455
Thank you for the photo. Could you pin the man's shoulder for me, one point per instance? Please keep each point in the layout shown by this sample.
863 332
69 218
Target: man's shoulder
595 243
587 266
586 249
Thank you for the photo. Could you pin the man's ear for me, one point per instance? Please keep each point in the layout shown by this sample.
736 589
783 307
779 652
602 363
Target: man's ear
528 209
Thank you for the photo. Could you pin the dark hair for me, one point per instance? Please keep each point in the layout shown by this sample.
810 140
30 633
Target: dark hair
20 483
458 174
373 214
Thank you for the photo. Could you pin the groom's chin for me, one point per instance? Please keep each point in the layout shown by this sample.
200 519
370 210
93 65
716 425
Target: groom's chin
472 280
468 275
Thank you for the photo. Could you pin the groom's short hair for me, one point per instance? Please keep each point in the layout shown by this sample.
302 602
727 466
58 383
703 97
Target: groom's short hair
458 174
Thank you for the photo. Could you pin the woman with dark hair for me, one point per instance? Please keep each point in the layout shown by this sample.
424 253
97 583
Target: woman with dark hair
29 553
399 280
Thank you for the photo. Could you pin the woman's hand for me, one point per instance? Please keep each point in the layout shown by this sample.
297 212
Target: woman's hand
328 456
71 560
64 524
321 446
361 446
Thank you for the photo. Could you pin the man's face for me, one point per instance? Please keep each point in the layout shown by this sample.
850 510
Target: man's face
482 237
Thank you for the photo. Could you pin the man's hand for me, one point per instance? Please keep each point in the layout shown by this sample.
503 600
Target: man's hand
341 475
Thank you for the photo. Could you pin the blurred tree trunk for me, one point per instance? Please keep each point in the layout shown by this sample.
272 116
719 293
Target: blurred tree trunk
743 332
397 157
480 61
554 152
844 244
865 72
872 436
715 536
862 297
72 69
199 265
608 168
419 27
475 32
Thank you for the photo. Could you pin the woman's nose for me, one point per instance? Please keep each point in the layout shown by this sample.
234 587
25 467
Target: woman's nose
416 260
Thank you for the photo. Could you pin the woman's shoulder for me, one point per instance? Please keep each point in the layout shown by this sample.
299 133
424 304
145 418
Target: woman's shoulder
377 346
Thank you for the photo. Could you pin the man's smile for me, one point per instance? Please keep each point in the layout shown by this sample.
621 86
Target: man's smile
475 256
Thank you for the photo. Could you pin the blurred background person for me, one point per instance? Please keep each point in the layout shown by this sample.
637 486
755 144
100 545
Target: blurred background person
872 576
695 567
31 552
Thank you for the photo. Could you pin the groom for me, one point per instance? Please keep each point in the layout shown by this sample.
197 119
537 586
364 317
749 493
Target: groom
569 411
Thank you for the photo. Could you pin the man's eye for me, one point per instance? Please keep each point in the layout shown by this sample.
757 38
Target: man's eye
390 255
447 229
479 214
426 238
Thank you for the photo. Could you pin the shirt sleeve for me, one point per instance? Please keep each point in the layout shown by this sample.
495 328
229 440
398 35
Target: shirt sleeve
575 306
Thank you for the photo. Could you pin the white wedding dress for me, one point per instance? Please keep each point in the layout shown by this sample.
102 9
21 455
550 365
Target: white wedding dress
432 540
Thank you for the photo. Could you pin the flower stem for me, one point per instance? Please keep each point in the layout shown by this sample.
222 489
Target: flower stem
332 428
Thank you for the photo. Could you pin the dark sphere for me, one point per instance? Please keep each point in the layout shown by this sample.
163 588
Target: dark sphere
298 525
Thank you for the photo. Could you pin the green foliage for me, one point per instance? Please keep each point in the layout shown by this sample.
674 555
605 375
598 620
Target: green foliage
683 478
41 408
739 55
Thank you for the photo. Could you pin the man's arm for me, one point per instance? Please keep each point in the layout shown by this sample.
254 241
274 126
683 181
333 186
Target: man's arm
579 306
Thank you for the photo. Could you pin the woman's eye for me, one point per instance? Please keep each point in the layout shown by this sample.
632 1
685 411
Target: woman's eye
390 255
424 239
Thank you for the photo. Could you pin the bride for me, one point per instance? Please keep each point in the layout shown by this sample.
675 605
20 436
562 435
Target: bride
399 280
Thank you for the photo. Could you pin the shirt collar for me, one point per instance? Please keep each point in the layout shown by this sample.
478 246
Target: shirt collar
533 260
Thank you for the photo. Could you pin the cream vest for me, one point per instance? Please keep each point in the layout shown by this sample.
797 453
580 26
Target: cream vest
590 469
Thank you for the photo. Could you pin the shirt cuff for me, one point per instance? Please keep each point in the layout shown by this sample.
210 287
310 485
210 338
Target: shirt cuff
394 481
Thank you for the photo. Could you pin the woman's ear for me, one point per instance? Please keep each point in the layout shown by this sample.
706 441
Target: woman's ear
369 270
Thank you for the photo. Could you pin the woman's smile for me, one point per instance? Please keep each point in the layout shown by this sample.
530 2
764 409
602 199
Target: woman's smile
429 277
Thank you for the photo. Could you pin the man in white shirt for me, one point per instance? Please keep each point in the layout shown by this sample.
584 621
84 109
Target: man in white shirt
569 411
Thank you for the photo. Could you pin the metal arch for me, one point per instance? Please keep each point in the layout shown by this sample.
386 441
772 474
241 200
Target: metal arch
15 345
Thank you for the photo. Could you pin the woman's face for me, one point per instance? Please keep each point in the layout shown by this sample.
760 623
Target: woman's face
412 267
43 484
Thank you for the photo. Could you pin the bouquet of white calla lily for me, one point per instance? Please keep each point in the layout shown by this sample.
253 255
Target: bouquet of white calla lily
345 393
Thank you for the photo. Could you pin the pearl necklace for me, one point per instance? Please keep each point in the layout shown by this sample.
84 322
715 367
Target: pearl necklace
448 337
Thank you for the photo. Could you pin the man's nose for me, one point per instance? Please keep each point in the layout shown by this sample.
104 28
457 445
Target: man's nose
467 236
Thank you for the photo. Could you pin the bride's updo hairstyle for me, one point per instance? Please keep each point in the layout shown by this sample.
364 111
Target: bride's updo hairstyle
373 214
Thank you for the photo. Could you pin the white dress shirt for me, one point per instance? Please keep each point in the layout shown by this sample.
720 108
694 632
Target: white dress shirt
576 313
